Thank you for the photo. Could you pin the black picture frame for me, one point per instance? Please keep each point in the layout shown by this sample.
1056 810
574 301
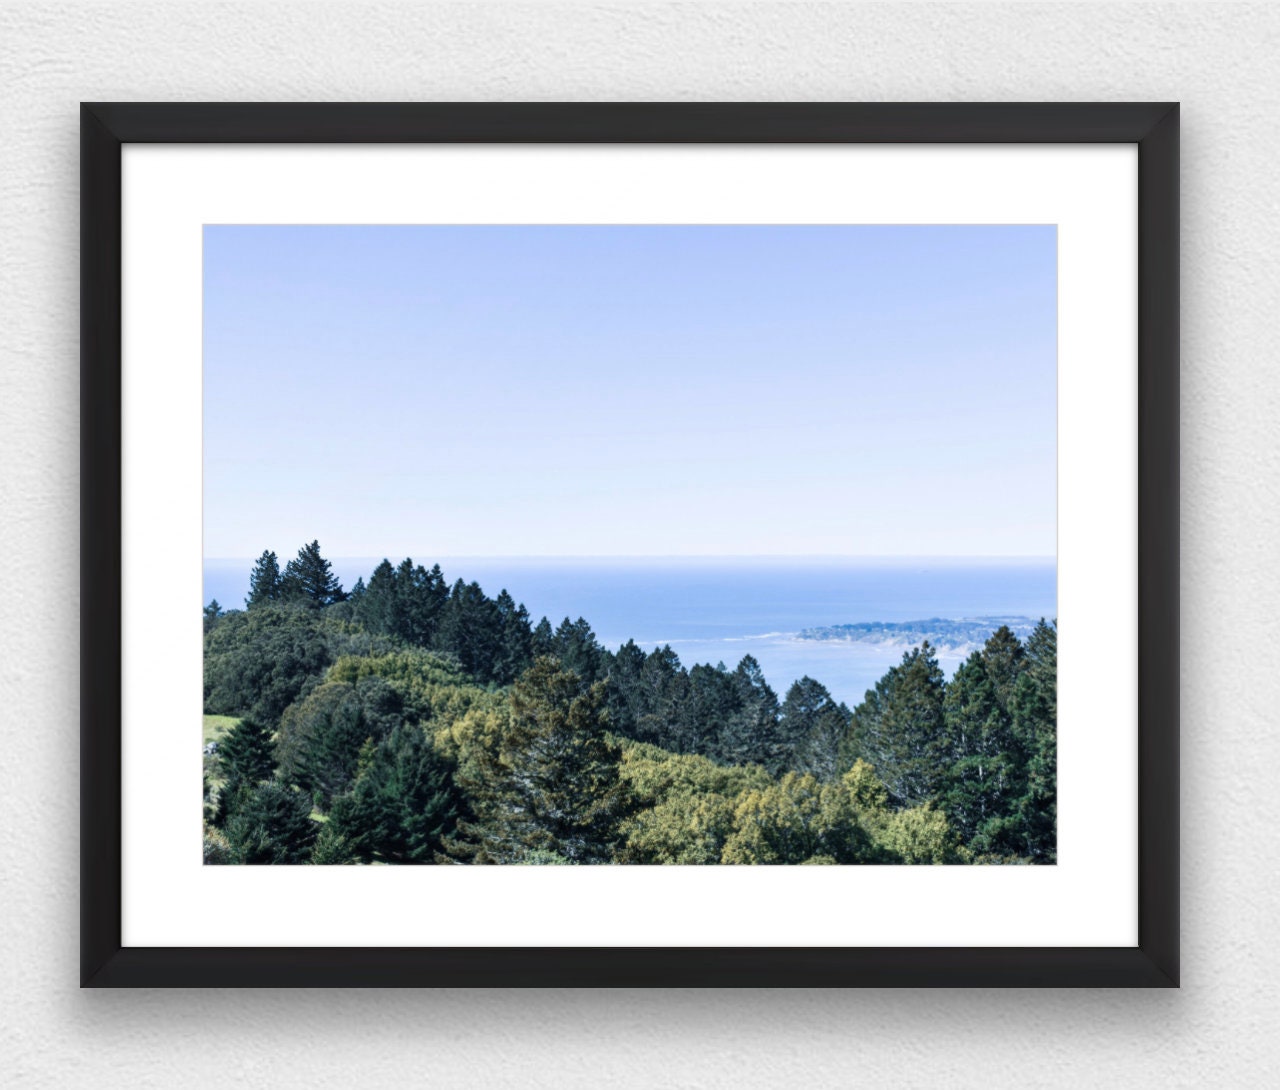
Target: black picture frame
106 127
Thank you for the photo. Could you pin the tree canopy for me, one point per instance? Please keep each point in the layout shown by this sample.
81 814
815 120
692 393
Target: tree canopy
417 721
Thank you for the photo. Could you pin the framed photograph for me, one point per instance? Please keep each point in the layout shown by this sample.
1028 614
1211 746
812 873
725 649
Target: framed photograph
635 544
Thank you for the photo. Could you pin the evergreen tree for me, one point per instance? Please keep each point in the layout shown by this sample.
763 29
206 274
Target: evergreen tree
257 661
322 736
331 848
246 753
470 629
403 802
1004 659
377 609
663 683
309 578
551 781
422 596
544 639
265 581
750 733
576 647
982 767
898 729
271 825
812 729
709 699
515 643
624 671
1034 708
212 612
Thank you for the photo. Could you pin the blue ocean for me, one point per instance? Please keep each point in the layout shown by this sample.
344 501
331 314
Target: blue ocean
713 610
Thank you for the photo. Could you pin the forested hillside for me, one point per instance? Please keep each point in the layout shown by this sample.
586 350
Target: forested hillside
413 721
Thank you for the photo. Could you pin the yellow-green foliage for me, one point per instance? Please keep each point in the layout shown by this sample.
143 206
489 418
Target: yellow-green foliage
697 812
654 774
431 688
865 790
479 728
688 803
794 820
684 829
921 835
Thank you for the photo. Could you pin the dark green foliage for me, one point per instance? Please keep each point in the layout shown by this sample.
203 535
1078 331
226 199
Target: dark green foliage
489 638
246 753
1034 708
403 601
813 728
256 661
729 716
575 645
331 848
515 640
551 782
470 629
321 737
984 764
645 694
309 578
543 639
265 581
271 824
403 801
899 729
212 612
623 694
378 608
749 734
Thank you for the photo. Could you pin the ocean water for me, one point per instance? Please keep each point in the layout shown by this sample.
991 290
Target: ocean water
718 609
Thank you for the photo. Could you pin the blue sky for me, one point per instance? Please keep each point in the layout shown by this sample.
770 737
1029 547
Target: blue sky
612 391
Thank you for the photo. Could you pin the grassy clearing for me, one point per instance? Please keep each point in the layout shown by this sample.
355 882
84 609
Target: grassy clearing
215 726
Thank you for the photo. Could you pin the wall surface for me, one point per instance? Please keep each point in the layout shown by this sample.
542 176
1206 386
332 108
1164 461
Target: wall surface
1221 61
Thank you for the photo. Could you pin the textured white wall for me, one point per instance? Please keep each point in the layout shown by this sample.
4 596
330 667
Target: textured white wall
1219 60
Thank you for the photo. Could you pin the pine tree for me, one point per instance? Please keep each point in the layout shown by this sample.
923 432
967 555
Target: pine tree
1034 707
309 578
544 639
551 782
212 612
982 766
265 581
709 698
422 597
750 734
246 752
246 759
624 670
515 646
403 803
812 728
377 607
663 684
272 825
322 736
579 652
986 750
898 729
470 629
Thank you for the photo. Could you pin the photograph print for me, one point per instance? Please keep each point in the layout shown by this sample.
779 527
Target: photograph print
618 544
